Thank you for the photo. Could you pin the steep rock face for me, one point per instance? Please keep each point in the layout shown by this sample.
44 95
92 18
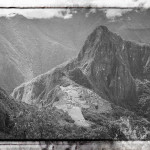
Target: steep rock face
111 65
104 60
138 57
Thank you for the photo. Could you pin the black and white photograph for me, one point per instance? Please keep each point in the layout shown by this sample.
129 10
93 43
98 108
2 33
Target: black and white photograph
75 70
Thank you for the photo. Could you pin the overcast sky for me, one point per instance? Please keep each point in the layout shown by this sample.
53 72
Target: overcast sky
49 13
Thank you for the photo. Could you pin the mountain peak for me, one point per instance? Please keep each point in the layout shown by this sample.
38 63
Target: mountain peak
102 28
100 31
103 58
99 41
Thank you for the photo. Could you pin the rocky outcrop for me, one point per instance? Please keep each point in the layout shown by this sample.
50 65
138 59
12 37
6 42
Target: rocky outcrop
39 88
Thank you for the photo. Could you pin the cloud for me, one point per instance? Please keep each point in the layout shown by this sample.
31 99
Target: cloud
66 13
113 13
37 13
92 10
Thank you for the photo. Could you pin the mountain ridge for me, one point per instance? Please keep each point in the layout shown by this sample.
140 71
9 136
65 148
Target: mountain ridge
104 50
98 94
34 40
99 82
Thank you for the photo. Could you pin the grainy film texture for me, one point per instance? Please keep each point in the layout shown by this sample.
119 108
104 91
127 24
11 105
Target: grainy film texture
75 73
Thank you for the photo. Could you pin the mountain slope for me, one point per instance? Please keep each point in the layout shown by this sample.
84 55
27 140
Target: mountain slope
8 109
27 50
93 84
111 64
107 64
33 46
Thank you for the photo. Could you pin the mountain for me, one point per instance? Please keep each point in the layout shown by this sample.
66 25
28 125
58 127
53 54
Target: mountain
30 47
106 64
97 89
8 109
27 52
